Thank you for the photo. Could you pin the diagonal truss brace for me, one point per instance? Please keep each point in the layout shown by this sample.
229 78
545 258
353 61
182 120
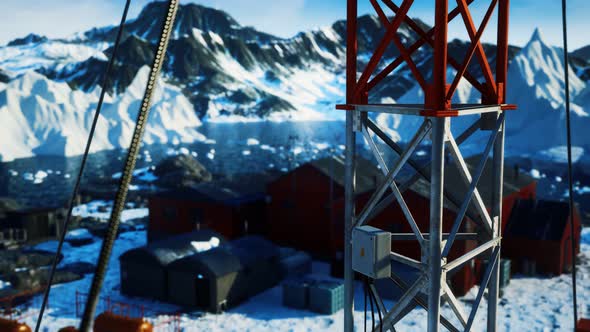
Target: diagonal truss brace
403 302
388 182
421 171
455 305
484 284
396 192
472 186
418 300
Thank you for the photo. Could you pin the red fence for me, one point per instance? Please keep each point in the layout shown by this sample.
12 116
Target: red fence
162 321
8 305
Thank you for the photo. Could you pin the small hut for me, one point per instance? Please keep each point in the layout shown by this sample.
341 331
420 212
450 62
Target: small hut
539 233
143 270
34 224
225 276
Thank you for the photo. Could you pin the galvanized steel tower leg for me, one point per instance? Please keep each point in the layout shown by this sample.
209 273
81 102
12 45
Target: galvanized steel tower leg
349 185
348 224
498 178
436 209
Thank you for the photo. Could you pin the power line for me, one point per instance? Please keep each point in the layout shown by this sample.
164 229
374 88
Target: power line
82 165
569 157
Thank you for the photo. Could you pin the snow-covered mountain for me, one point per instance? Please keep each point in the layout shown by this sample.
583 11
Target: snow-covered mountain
536 85
218 70
41 116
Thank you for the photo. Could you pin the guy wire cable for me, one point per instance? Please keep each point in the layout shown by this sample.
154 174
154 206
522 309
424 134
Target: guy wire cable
372 283
371 303
569 157
121 196
105 79
365 291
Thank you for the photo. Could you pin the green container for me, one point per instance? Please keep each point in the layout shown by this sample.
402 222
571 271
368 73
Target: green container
296 293
505 267
326 297
505 271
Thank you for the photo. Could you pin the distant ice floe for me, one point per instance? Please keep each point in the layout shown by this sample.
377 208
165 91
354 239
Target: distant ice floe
37 178
145 174
267 147
559 154
211 154
535 173
252 141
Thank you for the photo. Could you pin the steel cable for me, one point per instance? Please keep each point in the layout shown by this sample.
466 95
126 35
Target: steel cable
72 201
127 175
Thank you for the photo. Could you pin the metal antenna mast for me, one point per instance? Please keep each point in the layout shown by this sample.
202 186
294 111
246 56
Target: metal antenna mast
119 204
431 288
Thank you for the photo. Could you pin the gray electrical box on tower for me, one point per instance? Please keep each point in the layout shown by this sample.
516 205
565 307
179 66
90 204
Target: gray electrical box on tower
371 248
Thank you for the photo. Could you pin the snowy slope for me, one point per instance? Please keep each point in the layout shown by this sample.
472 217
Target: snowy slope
43 117
529 304
18 59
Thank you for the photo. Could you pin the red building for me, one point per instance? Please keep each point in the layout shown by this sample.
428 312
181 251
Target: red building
232 209
306 209
303 205
539 233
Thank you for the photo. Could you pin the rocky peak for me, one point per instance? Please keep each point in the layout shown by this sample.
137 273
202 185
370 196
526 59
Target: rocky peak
28 39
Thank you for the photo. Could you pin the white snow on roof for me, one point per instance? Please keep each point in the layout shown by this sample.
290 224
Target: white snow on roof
201 246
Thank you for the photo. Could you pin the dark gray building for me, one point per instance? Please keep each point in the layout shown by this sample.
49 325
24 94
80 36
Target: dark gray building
143 270
33 224
225 276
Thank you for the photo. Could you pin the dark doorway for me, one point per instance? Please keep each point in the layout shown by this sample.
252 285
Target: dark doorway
203 292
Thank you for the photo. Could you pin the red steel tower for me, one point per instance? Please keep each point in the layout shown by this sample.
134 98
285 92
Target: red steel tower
430 290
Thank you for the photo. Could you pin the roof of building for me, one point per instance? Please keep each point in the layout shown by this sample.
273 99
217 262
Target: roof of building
165 251
254 247
216 262
228 258
538 220
456 187
235 191
367 173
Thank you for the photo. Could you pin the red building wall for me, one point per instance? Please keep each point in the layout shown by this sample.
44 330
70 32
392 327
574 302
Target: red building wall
550 257
171 216
528 192
300 215
566 257
299 211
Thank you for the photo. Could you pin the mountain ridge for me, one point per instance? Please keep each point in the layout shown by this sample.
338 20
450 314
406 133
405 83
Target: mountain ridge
235 73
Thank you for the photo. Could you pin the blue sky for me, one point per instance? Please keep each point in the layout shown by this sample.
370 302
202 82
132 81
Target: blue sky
58 18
